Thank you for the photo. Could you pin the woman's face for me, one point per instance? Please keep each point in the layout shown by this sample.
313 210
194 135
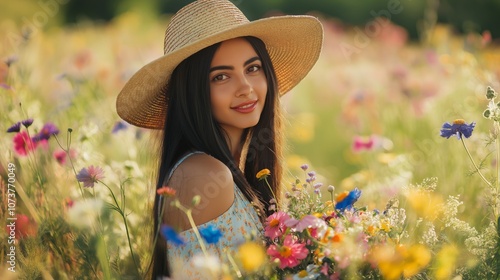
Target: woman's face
238 85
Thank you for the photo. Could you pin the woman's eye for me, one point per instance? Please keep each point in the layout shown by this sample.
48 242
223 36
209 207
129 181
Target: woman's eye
219 77
254 68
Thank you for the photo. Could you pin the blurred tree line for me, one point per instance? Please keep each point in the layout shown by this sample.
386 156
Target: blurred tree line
463 15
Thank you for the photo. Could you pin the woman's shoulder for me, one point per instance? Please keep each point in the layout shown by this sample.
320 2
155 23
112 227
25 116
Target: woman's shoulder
204 176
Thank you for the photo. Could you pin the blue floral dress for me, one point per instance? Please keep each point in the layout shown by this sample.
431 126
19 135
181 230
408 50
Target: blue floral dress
238 221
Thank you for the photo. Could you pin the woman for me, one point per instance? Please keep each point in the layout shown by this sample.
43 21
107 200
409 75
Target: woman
215 94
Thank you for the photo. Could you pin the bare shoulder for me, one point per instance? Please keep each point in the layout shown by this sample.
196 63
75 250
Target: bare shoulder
207 177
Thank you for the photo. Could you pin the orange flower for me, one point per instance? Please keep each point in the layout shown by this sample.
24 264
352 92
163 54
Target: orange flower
263 173
166 191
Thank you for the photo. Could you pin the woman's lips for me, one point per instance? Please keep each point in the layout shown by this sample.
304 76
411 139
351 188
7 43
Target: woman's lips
246 107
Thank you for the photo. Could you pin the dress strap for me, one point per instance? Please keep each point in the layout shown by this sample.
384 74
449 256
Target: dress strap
179 163
160 200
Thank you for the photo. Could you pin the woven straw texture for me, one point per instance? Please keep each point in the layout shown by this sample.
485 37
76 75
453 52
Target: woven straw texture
293 42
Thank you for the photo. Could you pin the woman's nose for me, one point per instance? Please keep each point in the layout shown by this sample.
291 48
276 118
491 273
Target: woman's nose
245 87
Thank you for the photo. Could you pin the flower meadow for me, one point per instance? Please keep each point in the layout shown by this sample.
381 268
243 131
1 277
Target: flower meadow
391 165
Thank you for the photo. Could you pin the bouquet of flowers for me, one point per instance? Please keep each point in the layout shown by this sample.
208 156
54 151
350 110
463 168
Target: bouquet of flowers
313 238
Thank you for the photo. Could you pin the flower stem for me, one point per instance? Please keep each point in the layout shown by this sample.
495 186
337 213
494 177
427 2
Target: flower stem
495 208
193 226
122 213
234 265
274 196
474 163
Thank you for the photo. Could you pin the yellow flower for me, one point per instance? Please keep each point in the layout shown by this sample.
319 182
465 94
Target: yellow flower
263 173
252 256
394 262
445 262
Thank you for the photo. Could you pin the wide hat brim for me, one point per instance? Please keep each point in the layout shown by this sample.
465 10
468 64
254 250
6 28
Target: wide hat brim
293 42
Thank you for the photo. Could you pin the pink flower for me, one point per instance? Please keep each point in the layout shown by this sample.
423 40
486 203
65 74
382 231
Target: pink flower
90 175
23 143
60 156
290 253
363 143
308 221
275 224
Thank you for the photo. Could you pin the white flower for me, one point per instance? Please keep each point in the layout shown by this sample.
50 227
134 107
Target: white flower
210 265
83 213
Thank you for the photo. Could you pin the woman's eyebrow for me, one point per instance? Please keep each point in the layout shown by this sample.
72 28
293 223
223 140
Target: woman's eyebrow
226 67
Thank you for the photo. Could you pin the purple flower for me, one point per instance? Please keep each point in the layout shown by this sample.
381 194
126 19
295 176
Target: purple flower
318 185
119 125
458 128
27 122
311 174
14 128
170 235
48 130
90 175
348 201
211 234
304 167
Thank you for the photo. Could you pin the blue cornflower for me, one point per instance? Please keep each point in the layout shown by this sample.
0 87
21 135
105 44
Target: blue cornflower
27 122
15 128
347 201
458 128
170 235
119 125
211 234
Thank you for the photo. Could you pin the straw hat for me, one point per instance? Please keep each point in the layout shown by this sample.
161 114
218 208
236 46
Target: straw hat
293 42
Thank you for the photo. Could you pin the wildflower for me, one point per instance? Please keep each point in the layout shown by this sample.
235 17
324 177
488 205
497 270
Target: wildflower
310 273
170 235
331 189
490 93
166 191
446 261
60 156
26 123
84 213
211 234
14 128
23 143
458 128
275 224
90 175
308 221
346 200
263 174
23 227
210 265
318 185
252 256
304 167
290 253
48 130
363 143
119 125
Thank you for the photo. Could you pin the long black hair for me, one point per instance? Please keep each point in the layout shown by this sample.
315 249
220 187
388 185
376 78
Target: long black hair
191 126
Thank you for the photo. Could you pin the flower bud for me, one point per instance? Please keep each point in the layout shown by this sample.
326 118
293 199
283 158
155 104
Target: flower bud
490 93
331 189
196 200
487 113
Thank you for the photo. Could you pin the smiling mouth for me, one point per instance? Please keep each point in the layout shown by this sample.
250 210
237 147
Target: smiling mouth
246 107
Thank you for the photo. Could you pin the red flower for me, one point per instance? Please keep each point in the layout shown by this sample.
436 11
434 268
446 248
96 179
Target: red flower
21 227
23 143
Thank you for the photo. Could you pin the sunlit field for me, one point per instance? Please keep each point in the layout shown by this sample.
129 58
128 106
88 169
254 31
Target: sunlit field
367 116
